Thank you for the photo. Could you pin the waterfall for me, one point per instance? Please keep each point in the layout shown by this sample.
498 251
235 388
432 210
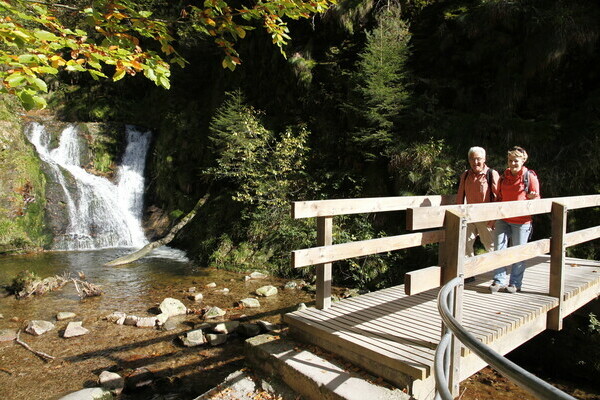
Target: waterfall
102 214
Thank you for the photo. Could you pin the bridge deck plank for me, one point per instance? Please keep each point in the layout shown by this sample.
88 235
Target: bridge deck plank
400 332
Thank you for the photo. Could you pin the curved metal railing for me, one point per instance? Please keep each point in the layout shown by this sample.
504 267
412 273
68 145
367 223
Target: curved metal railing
522 377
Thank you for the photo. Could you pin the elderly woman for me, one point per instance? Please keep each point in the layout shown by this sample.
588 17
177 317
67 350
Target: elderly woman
516 183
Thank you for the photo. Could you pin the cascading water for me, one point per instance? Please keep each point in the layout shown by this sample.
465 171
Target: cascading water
102 214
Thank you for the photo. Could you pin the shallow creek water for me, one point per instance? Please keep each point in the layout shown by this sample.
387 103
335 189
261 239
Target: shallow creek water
149 354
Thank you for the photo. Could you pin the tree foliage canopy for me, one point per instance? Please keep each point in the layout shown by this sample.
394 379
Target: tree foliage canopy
38 38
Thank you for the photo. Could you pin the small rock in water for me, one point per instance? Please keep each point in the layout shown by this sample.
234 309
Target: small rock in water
214 312
193 338
37 327
61 316
192 289
172 307
291 285
226 327
111 381
258 275
7 335
266 291
75 329
146 322
131 320
197 297
250 302
89 394
215 339
162 319
117 317
211 285
222 291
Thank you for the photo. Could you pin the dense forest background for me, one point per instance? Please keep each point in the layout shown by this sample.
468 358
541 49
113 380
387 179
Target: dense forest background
373 99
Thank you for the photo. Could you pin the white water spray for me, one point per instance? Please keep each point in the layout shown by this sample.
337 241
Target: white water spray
102 214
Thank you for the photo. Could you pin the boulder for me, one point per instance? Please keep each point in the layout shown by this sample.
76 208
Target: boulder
266 291
146 322
214 312
111 381
226 327
215 339
89 394
131 320
37 327
75 329
249 329
193 338
117 317
172 307
250 302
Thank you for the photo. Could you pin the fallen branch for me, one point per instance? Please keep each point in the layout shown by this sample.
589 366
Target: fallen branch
87 289
41 354
161 242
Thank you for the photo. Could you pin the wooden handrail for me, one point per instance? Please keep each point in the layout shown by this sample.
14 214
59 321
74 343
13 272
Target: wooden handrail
333 207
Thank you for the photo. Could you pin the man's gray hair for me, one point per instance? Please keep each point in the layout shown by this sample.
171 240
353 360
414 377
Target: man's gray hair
476 149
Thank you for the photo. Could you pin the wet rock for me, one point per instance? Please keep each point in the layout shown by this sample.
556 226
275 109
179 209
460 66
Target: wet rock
211 285
117 317
215 339
214 312
226 327
222 291
75 329
172 307
197 297
6 335
301 307
193 338
192 289
291 285
266 326
61 316
37 327
146 322
258 275
111 381
249 330
131 320
266 291
250 302
162 319
169 325
89 394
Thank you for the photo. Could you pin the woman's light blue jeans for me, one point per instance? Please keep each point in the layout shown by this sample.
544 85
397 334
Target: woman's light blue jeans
518 234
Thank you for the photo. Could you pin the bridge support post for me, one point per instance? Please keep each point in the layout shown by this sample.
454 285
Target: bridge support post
324 238
557 264
455 225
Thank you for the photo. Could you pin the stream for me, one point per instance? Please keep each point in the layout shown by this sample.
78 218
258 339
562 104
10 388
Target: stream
148 355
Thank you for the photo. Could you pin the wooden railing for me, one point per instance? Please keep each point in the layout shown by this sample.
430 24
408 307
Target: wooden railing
449 227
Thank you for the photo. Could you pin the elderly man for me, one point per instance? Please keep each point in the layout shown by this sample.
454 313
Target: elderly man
478 184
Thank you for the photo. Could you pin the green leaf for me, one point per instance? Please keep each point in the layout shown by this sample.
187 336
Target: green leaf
119 74
15 79
45 35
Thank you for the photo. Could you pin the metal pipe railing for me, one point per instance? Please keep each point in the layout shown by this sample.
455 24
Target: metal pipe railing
512 371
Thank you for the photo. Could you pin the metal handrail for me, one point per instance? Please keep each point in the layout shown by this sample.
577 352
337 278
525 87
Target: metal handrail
512 371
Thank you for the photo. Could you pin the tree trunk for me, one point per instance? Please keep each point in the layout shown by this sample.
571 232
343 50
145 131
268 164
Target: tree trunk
160 242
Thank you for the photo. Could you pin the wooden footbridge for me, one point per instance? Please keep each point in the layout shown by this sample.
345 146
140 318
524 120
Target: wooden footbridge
393 333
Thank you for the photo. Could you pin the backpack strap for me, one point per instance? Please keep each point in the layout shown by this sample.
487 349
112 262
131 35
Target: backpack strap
526 181
463 177
490 182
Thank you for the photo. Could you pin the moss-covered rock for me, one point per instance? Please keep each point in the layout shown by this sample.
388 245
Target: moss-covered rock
22 185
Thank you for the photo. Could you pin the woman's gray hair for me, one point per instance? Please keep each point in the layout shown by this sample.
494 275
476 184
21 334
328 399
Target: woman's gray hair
476 149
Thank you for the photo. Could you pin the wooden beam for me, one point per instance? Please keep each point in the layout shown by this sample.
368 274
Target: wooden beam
422 280
557 265
328 254
433 217
582 236
323 283
490 261
455 225
328 208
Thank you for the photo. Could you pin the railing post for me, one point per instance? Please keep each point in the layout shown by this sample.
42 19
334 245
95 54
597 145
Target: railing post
456 235
324 238
557 264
